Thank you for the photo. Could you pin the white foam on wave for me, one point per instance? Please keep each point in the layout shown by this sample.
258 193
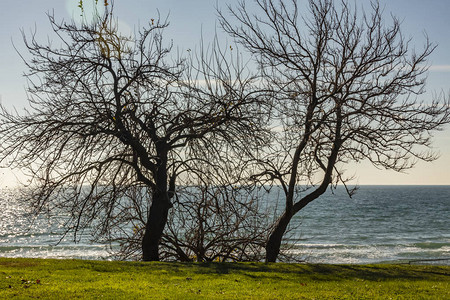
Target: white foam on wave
92 252
342 254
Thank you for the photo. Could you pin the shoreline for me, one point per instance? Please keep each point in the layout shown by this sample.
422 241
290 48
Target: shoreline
425 261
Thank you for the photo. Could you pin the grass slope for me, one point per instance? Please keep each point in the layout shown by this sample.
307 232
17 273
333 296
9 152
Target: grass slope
59 279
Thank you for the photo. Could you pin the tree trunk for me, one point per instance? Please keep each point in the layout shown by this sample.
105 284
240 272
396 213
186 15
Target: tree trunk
157 217
274 243
155 226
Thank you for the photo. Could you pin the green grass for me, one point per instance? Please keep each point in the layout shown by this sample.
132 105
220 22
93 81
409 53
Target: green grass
69 279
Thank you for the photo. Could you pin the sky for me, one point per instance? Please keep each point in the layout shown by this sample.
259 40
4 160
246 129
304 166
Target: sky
189 20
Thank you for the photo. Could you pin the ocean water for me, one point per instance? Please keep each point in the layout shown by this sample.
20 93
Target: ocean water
379 224
21 235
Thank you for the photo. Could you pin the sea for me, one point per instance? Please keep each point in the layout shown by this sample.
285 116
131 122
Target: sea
379 224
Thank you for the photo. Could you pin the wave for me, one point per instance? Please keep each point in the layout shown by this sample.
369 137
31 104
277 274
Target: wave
94 252
370 253
432 245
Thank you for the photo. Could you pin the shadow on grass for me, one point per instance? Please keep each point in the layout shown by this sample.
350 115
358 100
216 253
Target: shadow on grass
255 270
326 272
379 272
19 263
227 268
314 271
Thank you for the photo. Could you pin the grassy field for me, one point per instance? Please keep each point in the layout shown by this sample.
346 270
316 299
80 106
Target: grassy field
59 279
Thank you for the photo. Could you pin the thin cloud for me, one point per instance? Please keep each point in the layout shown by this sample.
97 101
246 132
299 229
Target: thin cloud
440 68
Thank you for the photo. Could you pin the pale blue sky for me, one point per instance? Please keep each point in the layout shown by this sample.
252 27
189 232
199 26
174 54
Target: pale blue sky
189 18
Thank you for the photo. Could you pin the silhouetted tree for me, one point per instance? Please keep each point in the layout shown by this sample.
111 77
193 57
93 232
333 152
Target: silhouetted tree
344 87
217 223
212 219
112 114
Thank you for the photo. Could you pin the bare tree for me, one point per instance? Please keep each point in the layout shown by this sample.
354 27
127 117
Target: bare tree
212 219
217 223
218 218
110 114
345 85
